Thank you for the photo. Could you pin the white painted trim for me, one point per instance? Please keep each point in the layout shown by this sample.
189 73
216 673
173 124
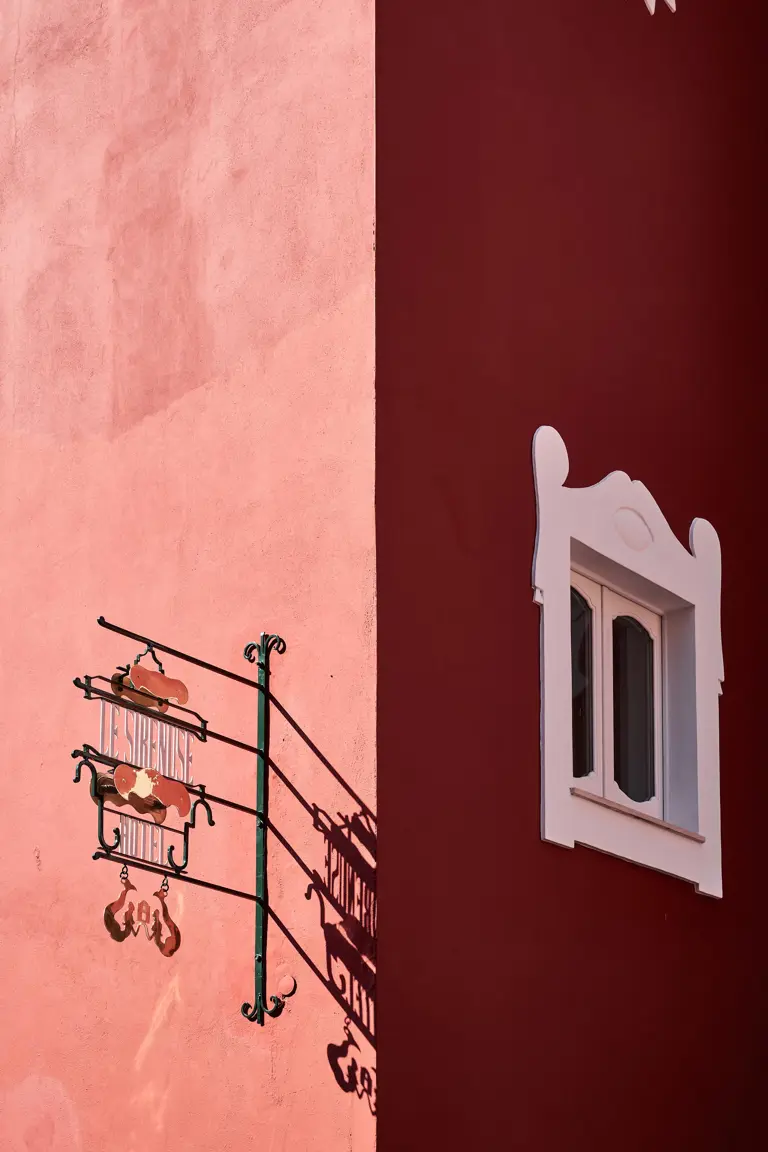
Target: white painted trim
651 5
616 533
637 815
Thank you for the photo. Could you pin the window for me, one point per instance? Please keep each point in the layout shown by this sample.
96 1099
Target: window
617 739
631 673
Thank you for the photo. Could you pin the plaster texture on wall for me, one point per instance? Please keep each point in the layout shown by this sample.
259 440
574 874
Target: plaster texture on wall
186 446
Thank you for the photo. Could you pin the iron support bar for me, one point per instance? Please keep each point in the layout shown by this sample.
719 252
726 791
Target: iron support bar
143 866
179 655
88 752
90 691
251 684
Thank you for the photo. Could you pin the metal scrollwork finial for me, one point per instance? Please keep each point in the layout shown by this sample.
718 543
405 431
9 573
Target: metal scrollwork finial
251 652
270 642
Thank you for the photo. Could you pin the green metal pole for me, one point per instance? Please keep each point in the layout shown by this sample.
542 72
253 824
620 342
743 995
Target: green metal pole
262 809
258 1010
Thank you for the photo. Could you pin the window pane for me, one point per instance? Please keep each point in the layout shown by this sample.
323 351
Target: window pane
633 766
582 687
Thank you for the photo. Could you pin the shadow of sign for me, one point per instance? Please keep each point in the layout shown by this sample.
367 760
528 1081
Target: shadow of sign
346 892
350 1074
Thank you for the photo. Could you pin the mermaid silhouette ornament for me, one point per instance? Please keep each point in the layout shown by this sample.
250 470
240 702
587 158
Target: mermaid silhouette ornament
134 920
117 931
172 941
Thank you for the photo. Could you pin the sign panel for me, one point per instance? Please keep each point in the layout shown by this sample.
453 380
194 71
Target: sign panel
146 741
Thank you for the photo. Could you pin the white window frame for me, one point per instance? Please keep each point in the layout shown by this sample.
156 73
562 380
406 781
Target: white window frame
615 535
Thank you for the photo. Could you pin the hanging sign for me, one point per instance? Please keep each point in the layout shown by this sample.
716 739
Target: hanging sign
124 918
143 760
156 757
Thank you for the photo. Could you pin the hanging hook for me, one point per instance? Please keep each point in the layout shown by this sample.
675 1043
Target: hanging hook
179 868
150 651
260 1010
99 799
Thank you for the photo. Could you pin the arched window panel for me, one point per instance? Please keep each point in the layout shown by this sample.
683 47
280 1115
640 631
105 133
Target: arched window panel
633 711
582 686
586 682
633 714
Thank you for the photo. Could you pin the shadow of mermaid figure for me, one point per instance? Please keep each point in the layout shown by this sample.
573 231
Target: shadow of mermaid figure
357 1079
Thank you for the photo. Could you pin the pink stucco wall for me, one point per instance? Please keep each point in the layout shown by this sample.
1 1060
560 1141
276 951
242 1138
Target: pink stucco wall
186 423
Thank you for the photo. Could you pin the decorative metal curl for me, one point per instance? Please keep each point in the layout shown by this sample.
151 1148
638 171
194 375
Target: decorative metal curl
259 1010
190 823
269 643
85 687
98 798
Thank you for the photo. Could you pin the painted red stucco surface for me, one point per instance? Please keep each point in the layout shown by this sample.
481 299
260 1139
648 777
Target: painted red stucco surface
186 446
570 231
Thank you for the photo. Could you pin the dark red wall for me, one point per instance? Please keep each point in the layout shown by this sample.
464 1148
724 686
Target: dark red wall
570 231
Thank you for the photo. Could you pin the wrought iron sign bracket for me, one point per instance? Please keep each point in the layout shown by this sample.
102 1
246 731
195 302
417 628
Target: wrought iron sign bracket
121 690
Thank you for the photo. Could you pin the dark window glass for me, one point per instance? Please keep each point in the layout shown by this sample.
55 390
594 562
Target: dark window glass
582 686
633 743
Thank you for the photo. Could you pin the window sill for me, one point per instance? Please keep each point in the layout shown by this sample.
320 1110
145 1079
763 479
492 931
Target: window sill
601 800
